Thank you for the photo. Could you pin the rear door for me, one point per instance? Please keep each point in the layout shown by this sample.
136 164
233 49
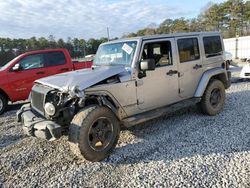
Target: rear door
32 67
190 65
56 62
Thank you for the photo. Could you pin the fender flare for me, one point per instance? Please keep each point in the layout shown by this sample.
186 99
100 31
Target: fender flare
206 78
116 108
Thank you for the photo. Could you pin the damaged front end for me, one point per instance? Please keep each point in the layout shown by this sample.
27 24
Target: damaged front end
50 111
55 100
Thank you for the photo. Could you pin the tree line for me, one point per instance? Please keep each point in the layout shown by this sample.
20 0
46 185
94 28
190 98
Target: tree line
10 48
231 18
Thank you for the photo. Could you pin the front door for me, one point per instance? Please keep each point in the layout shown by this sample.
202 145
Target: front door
160 86
190 65
32 67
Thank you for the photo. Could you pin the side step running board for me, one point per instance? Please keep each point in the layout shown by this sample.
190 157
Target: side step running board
145 116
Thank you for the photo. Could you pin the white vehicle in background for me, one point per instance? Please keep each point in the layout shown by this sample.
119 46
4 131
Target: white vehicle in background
245 72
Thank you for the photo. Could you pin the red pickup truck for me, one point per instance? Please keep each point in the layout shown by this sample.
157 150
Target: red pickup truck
17 76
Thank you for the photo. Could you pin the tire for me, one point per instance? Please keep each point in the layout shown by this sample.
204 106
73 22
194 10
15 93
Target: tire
85 129
211 105
3 103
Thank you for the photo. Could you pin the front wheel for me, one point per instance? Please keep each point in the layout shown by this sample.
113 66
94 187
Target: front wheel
213 99
3 103
94 132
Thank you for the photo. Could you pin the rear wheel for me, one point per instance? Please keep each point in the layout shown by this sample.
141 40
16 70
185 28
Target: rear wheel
213 99
3 103
94 132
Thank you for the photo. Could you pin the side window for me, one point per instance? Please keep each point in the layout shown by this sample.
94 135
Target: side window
212 46
55 58
188 49
32 62
161 52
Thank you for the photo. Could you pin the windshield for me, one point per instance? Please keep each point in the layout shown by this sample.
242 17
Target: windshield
9 63
121 53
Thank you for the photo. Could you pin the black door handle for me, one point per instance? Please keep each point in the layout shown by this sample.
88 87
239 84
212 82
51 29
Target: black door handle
41 72
197 67
64 69
172 72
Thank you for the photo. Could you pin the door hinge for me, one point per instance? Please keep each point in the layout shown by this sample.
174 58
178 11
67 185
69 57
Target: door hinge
181 90
139 102
138 83
180 74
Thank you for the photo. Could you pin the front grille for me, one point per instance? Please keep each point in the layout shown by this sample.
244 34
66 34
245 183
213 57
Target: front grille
38 95
247 74
37 101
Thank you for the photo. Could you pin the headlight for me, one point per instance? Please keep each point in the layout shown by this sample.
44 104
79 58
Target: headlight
50 109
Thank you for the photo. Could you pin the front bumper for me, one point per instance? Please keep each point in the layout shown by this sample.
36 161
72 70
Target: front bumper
38 126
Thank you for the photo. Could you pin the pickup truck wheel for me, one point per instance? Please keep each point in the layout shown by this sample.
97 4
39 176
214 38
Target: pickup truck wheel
213 99
3 103
93 133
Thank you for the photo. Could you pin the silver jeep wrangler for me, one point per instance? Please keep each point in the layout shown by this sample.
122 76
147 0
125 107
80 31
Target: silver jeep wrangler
132 80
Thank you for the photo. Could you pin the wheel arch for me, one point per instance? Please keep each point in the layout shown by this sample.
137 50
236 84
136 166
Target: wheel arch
104 98
216 73
5 94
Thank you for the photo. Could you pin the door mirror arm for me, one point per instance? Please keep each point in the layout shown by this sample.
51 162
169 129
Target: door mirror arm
16 67
146 65
141 74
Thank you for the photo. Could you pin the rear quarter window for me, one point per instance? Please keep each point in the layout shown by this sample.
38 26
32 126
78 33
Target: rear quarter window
212 46
55 58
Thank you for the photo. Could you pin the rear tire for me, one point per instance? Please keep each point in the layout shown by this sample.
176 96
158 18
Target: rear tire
213 99
3 103
94 133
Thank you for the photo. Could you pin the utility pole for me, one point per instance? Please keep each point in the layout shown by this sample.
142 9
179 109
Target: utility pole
108 33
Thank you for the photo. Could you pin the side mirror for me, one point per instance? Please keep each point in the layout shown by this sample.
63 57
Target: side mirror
16 67
147 65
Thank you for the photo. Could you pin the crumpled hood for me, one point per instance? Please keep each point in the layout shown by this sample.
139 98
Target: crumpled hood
83 78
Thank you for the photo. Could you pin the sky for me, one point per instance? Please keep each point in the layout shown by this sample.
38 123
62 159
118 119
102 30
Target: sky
89 19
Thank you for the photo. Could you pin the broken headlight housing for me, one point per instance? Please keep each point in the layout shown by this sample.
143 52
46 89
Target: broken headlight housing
50 109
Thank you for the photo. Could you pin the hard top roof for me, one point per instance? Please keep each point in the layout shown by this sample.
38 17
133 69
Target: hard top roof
149 37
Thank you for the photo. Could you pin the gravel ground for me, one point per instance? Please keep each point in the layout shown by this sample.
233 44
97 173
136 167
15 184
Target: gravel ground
184 149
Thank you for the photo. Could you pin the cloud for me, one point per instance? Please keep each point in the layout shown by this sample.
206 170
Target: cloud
81 18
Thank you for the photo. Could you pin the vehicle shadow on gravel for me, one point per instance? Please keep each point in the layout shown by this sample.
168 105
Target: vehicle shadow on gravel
15 106
188 133
7 140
